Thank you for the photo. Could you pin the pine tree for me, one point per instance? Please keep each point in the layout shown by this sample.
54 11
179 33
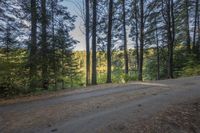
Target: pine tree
8 65
72 67
64 52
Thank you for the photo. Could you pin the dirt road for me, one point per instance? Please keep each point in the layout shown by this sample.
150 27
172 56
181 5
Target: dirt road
104 110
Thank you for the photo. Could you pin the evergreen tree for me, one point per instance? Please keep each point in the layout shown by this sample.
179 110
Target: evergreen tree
67 62
72 68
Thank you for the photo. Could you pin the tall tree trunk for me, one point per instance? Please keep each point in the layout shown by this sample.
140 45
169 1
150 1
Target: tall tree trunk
198 41
125 39
136 36
33 47
109 40
53 4
141 40
170 36
173 22
157 51
7 41
8 44
87 38
44 46
187 26
195 25
94 63
62 61
173 41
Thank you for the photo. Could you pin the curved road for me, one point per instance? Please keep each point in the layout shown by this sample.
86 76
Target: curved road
104 110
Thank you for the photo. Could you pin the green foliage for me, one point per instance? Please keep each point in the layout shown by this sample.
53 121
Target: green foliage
150 69
12 79
7 87
101 79
191 67
14 76
125 78
191 70
150 65
185 64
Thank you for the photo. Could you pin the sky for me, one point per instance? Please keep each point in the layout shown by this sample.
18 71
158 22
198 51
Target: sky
77 32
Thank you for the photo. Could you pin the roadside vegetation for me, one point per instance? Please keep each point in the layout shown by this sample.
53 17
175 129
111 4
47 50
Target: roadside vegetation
14 78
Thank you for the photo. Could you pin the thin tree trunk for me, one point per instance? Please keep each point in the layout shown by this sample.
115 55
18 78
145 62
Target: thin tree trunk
125 39
7 41
33 47
141 41
44 46
157 51
170 35
172 42
94 63
87 38
187 26
173 21
195 24
198 41
53 42
137 37
109 39
71 81
62 63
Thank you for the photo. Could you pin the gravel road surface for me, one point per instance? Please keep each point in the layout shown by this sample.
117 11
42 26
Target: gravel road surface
104 110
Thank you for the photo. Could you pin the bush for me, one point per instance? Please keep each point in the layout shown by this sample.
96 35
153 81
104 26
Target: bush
191 70
7 89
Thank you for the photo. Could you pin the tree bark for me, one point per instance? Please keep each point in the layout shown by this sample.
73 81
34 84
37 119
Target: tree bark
109 40
44 46
198 41
140 78
187 26
125 39
87 38
157 51
137 37
170 36
195 24
33 47
94 63
53 4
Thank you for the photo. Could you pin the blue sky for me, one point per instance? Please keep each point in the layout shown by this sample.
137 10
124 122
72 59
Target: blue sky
77 33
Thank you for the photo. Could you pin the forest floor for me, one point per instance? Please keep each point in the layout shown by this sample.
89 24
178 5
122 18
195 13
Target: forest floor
167 106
